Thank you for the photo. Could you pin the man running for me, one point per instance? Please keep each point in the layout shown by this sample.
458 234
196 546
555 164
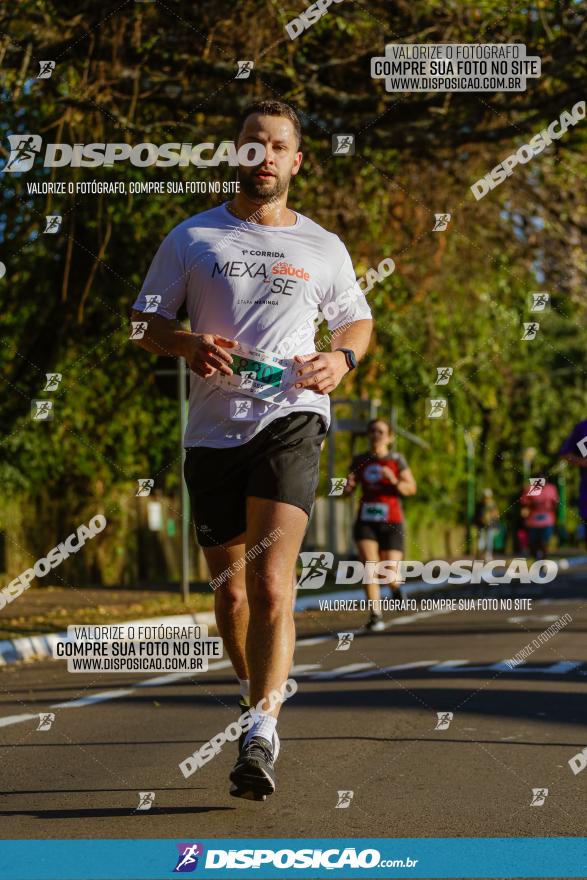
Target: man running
379 529
252 272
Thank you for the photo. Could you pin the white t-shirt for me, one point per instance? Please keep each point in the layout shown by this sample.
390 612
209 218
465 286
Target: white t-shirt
262 286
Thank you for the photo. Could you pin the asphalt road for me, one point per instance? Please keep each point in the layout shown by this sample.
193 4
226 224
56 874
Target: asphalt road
364 720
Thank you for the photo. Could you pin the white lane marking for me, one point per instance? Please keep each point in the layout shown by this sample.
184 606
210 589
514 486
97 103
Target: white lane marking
178 676
398 668
532 617
302 668
340 670
447 665
111 695
93 698
14 719
562 667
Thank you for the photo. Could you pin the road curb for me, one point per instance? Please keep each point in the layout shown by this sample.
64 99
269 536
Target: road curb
41 647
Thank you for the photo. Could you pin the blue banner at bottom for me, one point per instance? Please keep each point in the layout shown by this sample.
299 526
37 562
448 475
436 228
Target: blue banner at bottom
268 859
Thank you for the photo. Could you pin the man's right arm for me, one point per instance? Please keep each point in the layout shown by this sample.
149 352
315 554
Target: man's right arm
204 352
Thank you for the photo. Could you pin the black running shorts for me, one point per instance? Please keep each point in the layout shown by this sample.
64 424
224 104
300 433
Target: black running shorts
389 536
280 462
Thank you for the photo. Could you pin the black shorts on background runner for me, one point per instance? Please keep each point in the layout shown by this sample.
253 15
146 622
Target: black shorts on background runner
389 536
281 463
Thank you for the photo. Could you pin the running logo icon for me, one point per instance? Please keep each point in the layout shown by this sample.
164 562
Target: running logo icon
145 487
539 795
23 150
244 69
343 144
315 568
152 301
537 484
344 641
42 410
530 331
139 328
337 485
46 719
46 68
187 860
52 224
443 375
437 408
539 301
53 380
241 408
441 222
444 719
344 800
146 799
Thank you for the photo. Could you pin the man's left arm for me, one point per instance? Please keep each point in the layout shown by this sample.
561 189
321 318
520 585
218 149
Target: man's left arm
322 372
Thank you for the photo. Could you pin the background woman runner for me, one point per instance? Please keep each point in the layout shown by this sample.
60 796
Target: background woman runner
384 477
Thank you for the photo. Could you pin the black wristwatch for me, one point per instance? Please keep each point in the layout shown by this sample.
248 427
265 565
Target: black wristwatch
350 357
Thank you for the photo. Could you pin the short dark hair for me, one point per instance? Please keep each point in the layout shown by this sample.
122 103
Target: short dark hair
272 108
373 422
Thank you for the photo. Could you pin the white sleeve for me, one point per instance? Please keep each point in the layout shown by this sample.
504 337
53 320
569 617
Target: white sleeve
344 301
165 286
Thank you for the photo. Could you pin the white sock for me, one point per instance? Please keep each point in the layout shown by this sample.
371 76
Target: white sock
244 687
264 725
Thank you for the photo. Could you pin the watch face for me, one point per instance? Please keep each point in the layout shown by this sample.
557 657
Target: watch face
350 358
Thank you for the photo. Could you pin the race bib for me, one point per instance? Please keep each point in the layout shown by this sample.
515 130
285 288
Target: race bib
374 512
257 373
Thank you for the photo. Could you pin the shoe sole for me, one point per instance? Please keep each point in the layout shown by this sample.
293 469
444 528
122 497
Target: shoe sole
251 783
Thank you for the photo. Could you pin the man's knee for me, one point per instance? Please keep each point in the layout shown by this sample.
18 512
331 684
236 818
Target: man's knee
232 592
269 595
